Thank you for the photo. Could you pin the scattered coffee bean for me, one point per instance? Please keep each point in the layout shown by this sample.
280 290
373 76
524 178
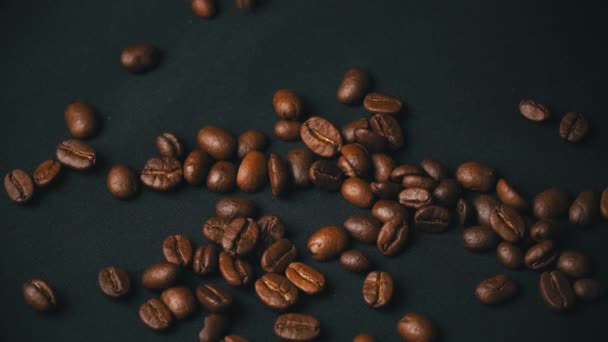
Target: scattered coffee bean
253 172
388 127
435 169
19 186
218 142
251 140
463 211
355 261
574 264
496 290
160 275
604 204
415 197
588 289
385 210
353 87
364 338
370 139
122 182
271 229
541 255
213 229
447 192
399 172
383 166
222 177
169 145
550 204
235 271
39 295
393 236
246 5
297 327
305 278
276 291
546 230
385 190
114 281
287 104
509 255
534 111
348 130
76 155
414 327
214 327
287 130
507 223
46 173
357 192
573 128
278 255
140 58
234 338
432 219
300 160
196 167
214 297
325 175
479 238
177 249
419 181
240 236
81 120
476 176
321 136
155 315
204 8
233 207
278 175
484 207
375 103
509 196
205 259
327 243
556 291
363 228
584 209
355 161
162 173
378 289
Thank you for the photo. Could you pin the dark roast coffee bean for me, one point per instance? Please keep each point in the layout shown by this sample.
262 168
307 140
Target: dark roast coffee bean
169 145
216 141
297 327
251 140
214 297
496 290
234 338
196 167
534 111
355 261
327 243
276 291
246 5
240 236
177 249
447 192
375 103
573 128
476 176
278 175
484 207
353 87
551 203
604 204
364 338
205 259
546 230
81 120
357 192
479 238
510 255
355 161
19 186
162 173
405 170
155 315
321 136
386 190
278 255
305 277
363 228
287 130
160 275
114 281
348 130
300 160
385 210
253 172
325 175
463 211
371 140
388 127
507 223
46 173
509 196
271 229
122 182
140 58
415 197
588 289
414 327
235 271
418 181
383 166
393 236
556 291
204 8
574 264
222 177
233 207
213 229
584 209
435 169
378 289
39 295
541 255
76 155
287 104
214 327
432 219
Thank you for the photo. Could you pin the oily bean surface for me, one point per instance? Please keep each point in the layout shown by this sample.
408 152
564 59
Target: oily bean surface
240 236
169 145
252 174
297 327
385 210
388 127
496 290
214 327
415 197
214 298
447 192
80 119
432 219
217 142
355 260
222 177
76 155
160 275
287 104
479 238
378 289
574 127
177 249
507 223
305 278
251 140
278 175
300 160
363 228
551 204
353 87
140 58
278 255
414 327
180 301
155 315
573 264
556 291
385 190
463 211
534 111
321 136
584 209
233 207
46 173
403 170
39 295
276 291
476 176
484 206
541 255
205 259
114 281
509 255
393 236
196 167
213 228
357 192
235 271
327 243
355 161
383 166
162 173
122 182
325 175
418 181
271 229
287 130
19 186
375 103
434 168
509 196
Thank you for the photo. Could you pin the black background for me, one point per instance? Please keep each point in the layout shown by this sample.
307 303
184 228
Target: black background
462 67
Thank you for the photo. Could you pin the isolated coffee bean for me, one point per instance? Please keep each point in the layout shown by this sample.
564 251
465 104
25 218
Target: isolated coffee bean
435 169
287 130
278 175
574 264
378 289
464 211
604 204
484 207
327 243
364 338
363 228
214 298
556 291
496 290
217 142
419 181
476 176
541 255
169 145
155 315
214 327
222 177
177 249
507 223
19 186
355 161
550 204
353 87
546 230
81 120
278 255
385 210
357 192
300 160
180 301
400 171
160 275
196 167
355 261
162 173
479 238
114 281
509 255
287 104
140 58
271 229
509 196
253 172
76 155
305 278
297 327
122 182
415 197
447 192
235 271
251 140
432 219
321 136
325 175
204 8
375 103
414 327
233 207
246 5
205 259
276 291
574 127
584 209
46 173
588 289
393 236
39 295
383 166
388 127
240 236
213 229
385 190
534 111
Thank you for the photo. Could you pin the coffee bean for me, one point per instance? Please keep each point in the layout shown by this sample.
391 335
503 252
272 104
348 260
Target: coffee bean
418 181
385 210
287 104
122 182
371 140
393 236
234 338
574 127
81 120
214 298
140 58
300 160
233 207
435 169
385 190
496 290
327 243
205 259
509 196
357 192
604 204
509 255
235 271
479 238
463 211
305 278
251 140
325 175
546 230
76 155
378 289
213 229
46 173
321 136
414 327
246 5
353 87
253 172
196 167
160 275
574 264
388 127
162 173
276 291
484 207
399 172
204 8
355 261
588 289
287 130
114 281
507 223
355 161
541 255
476 176
534 111
383 166
375 103
297 327
556 291
240 236
169 145
415 197
222 177
39 295
155 315
278 175
348 130
177 249
447 192
432 219
271 229
278 255
584 209
551 203
364 338
218 142
363 228
19 186
214 327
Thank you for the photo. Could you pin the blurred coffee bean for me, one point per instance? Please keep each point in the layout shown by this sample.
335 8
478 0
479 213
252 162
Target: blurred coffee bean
169 145
509 196
81 120
287 130
251 140
353 87
534 111
574 127
551 204
584 209
140 58
476 176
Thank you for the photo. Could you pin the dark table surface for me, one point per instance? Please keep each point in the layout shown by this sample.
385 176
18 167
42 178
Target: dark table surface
462 67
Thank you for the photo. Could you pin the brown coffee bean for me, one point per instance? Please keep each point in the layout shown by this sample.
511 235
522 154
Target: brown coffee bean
162 173
234 338
278 255
364 338
375 103
357 192
196 167
386 190
321 136
496 290
271 229
287 130
213 229
418 181
177 249
305 277
297 327
278 175
276 291
325 175
432 219
355 261
253 172
39 295
463 211
76 155
385 210
205 259
222 177
414 327
405 170
574 264
588 289
415 197
233 207
218 142
122 182
81 120
509 196
235 271
251 140
479 238
140 58
584 209
484 207
19 186
204 8
556 291
574 127
114 281
534 111
383 166
246 5
214 327
353 87
300 160
447 192
551 203
160 275
214 297
371 140
509 255
348 130
507 223
287 104
169 145
155 315
435 169
476 176
541 255
546 230
388 127
378 289
327 243
393 236
355 161
240 236
46 173
363 228
604 204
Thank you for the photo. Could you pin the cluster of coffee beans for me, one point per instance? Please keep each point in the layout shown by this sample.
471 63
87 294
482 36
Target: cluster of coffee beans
208 8
573 126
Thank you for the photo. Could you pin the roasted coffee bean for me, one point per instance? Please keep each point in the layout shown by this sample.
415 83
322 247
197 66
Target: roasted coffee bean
196 167
325 175
287 104
432 219
383 166
534 111
278 175
155 315
355 161
276 291
507 223
399 172
169 145
76 155
162 173
415 197
604 204
385 190
214 297
222 177
278 255
321 136
385 210
476 176
81 120
484 207
393 236
46 173
39 295
218 142
204 8
271 229
327 242
588 289
447 192
414 327
510 255
205 259
574 264
300 160
114 281
546 230
253 172
233 207
375 103
235 271
584 209
496 290
388 127
355 261
363 228
378 289
122 182
479 238
371 140
556 291
214 327
463 211
509 196
213 229
19 186
550 204
297 327
364 338
160 275
357 192
348 130
251 140
418 181
177 249
140 58
541 255
246 5
305 278
240 236
353 87
287 130
435 169
180 301
234 338
574 127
